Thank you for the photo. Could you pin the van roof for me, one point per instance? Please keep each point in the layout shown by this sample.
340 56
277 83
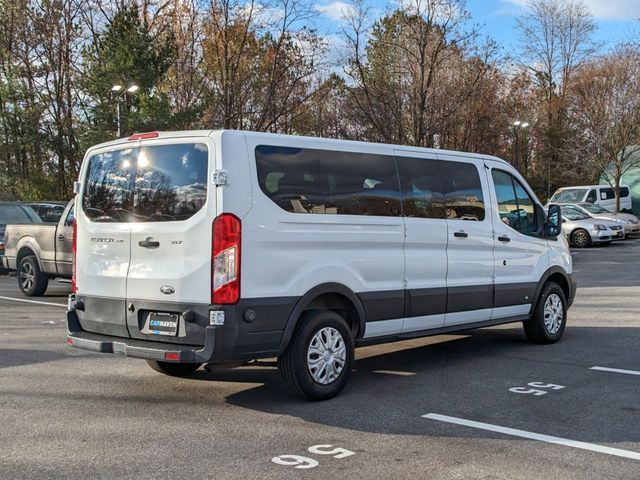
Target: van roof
272 136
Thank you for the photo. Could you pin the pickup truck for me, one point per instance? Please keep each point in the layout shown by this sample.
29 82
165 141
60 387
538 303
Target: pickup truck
40 252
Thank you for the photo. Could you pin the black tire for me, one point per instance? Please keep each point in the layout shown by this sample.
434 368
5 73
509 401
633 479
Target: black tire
543 330
293 362
580 238
174 369
31 280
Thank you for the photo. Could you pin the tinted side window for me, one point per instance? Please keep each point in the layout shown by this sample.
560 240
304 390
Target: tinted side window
302 180
607 194
463 191
421 183
515 207
592 197
624 192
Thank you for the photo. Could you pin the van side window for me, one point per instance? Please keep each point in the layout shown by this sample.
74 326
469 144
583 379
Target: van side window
303 180
607 194
624 192
515 207
592 197
421 183
462 191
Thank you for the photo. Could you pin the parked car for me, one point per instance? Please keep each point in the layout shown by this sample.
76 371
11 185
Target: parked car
602 195
212 246
40 252
629 222
13 212
49 212
582 231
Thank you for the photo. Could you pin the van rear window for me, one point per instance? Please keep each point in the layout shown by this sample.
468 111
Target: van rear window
157 183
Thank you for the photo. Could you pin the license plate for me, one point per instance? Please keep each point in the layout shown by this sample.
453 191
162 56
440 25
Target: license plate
163 323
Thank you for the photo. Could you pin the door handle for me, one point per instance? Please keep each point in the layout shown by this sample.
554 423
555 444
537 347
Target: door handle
504 238
460 234
149 243
61 237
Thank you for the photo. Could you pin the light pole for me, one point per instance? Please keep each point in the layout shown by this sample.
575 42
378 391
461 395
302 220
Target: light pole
120 93
517 125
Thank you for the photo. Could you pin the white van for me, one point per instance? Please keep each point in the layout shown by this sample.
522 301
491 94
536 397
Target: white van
602 195
214 246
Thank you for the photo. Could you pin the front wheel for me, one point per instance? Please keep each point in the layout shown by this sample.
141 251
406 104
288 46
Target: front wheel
174 369
31 280
317 362
581 238
549 318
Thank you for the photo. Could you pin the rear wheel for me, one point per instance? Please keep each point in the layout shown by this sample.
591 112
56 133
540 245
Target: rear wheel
31 280
549 317
580 238
174 369
317 362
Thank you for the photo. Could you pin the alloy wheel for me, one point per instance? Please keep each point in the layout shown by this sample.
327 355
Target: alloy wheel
553 313
27 276
326 355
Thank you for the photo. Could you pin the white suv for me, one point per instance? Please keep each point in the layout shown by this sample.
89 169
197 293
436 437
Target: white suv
213 246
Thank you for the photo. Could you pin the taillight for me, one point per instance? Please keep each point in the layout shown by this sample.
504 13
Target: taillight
74 249
225 259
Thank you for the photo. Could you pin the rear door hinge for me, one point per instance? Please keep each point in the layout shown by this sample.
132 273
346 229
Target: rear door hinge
219 178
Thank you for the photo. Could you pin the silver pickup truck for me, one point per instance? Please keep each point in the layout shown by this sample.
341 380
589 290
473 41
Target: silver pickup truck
40 252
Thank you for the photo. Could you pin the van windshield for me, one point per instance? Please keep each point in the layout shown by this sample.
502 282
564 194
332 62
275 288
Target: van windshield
148 184
569 195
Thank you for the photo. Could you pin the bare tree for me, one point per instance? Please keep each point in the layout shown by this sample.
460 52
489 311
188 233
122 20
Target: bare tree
556 40
414 69
606 112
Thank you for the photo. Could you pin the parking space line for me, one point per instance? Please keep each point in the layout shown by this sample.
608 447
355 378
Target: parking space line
535 436
395 372
33 301
616 370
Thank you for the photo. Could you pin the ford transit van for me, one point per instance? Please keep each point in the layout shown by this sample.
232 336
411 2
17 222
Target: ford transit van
215 246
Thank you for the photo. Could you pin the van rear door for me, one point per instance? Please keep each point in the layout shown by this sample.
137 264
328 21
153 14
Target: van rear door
170 268
104 239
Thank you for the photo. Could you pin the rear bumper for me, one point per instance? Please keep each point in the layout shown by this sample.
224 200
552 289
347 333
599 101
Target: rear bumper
236 340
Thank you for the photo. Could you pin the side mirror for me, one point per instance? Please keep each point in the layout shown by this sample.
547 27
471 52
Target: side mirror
553 226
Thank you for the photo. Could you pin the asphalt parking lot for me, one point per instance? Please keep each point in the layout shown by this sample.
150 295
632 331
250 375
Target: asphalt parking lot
428 408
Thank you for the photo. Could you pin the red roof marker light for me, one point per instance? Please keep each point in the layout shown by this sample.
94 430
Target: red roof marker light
142 136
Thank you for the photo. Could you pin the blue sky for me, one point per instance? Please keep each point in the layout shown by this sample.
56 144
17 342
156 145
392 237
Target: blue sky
617 20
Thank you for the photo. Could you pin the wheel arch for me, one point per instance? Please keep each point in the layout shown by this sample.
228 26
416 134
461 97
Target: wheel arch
25 250
327 296
561 277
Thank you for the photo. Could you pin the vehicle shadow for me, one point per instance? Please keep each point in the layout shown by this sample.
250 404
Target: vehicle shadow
468 375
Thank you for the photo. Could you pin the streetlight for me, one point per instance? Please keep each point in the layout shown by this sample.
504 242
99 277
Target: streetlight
120 92
517 125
